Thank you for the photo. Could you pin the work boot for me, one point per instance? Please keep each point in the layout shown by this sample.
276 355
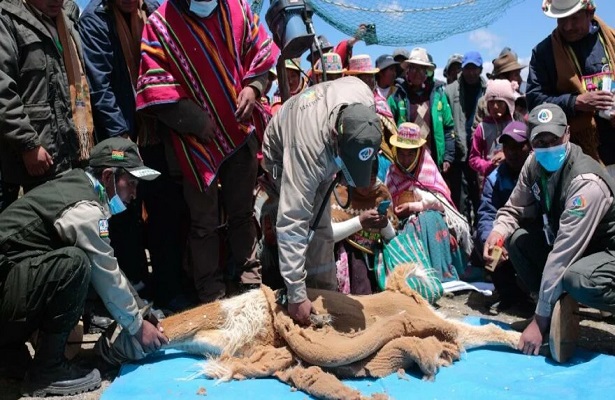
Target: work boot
565 329
93 324
50 372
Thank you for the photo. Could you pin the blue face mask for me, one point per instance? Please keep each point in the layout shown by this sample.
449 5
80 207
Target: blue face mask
116 205
551 158
203 8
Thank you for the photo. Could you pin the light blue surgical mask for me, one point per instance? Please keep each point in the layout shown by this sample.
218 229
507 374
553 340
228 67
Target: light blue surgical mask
116 205
551 158
203 8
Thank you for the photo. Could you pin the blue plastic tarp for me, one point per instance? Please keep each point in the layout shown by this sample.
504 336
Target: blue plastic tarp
486 373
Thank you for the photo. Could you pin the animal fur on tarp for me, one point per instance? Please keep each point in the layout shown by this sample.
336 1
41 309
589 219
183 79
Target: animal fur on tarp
252 336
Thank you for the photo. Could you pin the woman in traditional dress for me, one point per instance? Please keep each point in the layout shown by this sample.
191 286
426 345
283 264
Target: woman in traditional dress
423 204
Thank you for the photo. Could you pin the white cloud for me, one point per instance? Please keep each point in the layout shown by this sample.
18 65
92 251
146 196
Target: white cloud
487 41
393 10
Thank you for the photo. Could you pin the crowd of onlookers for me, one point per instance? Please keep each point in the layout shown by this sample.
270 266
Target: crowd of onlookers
443 142
458 165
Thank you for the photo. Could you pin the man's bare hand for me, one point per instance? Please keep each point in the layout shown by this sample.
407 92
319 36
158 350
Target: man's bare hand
492 240
245 103
531 338
300 312
594 101
37 161
150 337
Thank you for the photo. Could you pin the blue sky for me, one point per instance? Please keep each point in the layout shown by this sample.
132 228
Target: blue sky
520 27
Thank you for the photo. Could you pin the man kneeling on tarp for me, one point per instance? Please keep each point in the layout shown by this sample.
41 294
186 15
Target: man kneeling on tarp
53 243
560 225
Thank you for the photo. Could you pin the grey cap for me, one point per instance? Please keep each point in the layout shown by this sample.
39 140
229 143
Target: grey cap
455 58
359 139
400 54
547 117
385 61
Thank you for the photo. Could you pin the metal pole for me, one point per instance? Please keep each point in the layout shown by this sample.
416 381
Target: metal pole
283 79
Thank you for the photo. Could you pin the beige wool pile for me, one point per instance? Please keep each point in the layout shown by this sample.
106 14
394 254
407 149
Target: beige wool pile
252 336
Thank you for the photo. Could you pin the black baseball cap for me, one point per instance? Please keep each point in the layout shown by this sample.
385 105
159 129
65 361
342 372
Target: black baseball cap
325 45
118 152
360 135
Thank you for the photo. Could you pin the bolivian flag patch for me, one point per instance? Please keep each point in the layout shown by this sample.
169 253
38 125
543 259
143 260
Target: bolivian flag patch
103 228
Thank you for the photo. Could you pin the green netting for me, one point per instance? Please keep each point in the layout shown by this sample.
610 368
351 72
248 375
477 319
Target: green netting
256 6
407 22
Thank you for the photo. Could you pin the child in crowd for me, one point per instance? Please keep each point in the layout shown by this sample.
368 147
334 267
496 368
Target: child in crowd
486 153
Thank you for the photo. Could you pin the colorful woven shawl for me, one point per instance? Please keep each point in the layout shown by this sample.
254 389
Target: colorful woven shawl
207 60
426 173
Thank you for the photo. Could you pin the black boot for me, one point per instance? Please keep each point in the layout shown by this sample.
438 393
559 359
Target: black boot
51 373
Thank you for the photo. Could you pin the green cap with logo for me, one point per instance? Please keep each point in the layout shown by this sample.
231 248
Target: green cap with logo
549 118
118 152
359 137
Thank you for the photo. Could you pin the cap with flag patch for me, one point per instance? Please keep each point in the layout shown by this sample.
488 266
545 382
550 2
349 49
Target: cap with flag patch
118 152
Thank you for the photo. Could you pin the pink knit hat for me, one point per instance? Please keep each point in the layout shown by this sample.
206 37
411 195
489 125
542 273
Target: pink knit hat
505 90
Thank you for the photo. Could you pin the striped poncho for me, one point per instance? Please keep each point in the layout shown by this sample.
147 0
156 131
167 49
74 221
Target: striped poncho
208 60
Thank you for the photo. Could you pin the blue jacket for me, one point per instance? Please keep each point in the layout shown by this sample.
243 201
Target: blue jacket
111 92
498 187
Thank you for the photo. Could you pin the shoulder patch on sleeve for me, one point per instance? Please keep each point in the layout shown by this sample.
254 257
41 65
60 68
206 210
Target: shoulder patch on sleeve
103 228
577 205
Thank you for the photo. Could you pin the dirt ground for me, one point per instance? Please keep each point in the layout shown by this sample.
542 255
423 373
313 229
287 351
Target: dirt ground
597 334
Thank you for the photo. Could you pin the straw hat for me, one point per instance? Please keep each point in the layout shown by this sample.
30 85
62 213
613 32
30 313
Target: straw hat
565 8
408 136
332 62
418 56
361 64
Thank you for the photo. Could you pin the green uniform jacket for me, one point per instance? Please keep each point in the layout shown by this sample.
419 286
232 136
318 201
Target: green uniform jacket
70 211
35 107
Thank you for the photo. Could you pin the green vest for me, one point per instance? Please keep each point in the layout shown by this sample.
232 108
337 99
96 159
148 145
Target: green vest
576 164
27 226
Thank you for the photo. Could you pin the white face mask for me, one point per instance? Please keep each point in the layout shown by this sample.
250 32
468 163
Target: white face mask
203 8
